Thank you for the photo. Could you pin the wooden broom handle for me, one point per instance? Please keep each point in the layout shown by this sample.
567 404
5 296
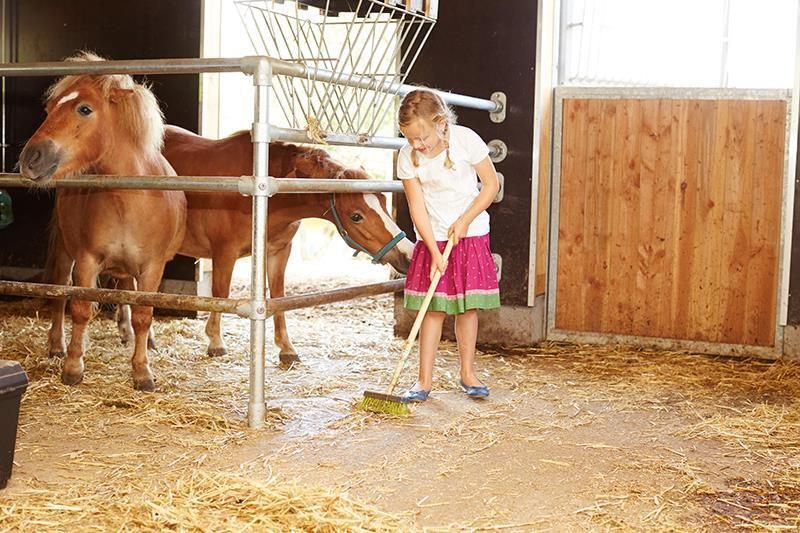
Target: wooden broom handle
412 336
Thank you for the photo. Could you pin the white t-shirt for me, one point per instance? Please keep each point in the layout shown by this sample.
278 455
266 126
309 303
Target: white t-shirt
449 192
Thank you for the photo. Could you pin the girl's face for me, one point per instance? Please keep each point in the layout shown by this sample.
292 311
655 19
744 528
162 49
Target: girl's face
426 137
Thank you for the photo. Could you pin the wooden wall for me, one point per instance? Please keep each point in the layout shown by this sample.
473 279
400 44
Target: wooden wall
669 218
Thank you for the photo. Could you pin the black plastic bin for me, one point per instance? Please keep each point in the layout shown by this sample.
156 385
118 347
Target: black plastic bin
13 383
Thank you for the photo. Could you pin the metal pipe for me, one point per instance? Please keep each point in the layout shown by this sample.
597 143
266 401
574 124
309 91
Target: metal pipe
300 136
133 66
172 183
288 303
248 64
343 139
241 184
310 185
184 302
366 82
262 80
115 296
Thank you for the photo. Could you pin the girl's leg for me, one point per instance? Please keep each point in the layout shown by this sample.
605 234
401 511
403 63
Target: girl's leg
430 333
467 336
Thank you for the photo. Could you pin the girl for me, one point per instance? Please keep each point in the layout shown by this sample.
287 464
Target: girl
440 167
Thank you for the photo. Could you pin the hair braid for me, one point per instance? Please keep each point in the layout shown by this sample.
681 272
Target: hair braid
448 163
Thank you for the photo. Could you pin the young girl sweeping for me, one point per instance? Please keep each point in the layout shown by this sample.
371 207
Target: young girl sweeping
440 167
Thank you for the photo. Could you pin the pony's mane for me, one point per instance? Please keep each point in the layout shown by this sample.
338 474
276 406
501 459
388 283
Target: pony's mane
139 113
320 159
329 166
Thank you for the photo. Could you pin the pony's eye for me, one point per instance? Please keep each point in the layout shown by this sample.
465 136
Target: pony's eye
356 217
84 110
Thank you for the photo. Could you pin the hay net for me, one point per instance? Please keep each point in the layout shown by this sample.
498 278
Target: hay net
373 41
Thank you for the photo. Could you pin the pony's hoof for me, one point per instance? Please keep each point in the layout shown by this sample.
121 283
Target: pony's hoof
125 337
145 385
217 352
288 360
58 354
71 379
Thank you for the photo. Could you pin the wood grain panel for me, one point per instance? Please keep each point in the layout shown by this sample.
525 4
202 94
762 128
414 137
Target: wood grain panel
669 218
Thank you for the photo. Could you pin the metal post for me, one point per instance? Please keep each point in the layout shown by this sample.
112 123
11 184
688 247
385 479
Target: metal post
262 79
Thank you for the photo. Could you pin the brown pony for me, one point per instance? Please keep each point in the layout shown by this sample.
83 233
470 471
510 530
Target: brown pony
105 125
219 224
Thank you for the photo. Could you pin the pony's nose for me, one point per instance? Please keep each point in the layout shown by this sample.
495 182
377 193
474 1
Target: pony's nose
39 160
400 256
33 157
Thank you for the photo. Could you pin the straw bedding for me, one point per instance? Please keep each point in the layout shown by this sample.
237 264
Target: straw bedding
574 437
128 461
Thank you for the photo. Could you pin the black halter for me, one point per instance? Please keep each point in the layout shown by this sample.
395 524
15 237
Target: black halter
376 257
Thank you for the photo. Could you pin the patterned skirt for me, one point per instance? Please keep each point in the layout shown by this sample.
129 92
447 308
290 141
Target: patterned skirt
469 282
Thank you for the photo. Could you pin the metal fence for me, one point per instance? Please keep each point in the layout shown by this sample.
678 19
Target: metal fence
260 186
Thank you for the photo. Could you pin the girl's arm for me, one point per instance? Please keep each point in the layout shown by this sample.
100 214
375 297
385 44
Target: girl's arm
419 215
491 185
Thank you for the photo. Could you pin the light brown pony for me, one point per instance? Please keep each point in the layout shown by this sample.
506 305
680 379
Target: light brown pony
105 125
219 224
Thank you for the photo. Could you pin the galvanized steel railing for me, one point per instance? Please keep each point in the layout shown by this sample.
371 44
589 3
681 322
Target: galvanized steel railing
260 186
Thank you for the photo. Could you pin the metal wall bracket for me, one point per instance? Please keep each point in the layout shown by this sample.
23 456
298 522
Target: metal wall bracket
498 150
499 98
498 265
501 180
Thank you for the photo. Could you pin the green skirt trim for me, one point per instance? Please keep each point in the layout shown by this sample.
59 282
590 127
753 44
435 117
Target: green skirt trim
454 306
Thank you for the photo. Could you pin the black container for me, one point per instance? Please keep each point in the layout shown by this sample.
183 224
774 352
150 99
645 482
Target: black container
13 383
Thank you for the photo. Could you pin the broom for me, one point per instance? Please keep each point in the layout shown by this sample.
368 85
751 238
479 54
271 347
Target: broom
387 402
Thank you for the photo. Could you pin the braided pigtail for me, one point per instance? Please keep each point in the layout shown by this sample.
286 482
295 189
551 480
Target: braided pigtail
414 158
448 163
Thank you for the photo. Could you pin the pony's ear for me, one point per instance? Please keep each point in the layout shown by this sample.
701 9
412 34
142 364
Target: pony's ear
119 95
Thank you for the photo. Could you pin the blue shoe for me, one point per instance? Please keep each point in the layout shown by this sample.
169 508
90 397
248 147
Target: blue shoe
412 395
480 391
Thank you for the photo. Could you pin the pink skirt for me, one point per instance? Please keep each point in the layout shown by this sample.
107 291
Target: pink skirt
469 282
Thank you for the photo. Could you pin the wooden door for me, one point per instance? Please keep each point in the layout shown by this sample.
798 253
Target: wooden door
669 218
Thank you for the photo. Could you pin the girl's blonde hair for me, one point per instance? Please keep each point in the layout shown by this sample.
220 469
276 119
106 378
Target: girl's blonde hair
424 104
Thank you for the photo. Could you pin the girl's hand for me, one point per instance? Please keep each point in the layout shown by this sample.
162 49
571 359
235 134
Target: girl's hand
458 230
437 263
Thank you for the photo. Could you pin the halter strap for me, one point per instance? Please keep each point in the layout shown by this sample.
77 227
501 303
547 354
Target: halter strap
377 256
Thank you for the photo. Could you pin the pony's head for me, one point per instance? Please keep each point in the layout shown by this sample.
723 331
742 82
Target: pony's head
93 123
362 219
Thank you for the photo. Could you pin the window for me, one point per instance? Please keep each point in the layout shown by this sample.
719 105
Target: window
689 43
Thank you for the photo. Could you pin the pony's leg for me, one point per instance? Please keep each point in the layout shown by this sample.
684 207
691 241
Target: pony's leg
86 272
278 257
124 313
142 319
124 317
221 273
59 272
